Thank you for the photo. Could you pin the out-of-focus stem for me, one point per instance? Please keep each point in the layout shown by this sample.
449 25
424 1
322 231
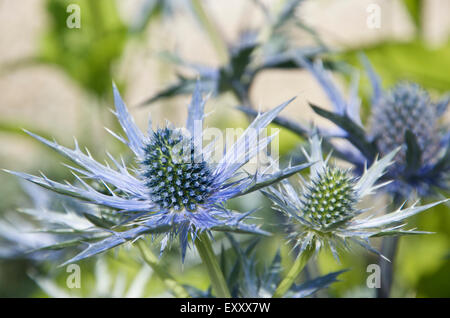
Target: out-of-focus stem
211 30
389 248
208 257
293 273
150 258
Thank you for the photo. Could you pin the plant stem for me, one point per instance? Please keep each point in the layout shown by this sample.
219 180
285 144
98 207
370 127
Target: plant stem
293 273
150 258
389 248
211 30
208 257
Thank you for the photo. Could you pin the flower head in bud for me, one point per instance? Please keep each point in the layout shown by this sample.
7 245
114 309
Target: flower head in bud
329 198
325 210
177 191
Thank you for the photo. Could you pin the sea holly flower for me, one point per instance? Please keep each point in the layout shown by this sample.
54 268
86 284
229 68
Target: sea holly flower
405 117
176 190
324 211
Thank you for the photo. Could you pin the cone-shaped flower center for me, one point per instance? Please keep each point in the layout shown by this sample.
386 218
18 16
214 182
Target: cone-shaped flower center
406 107
176 176
329 198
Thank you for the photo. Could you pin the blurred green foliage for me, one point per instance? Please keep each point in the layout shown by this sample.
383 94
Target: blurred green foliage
413 61
86 54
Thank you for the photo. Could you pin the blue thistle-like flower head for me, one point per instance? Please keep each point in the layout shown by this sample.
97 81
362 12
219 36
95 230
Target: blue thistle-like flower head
175 179
177 189
406 107
325 210
404 117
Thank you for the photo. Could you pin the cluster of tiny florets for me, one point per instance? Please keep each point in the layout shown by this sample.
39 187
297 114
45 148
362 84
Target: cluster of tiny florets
176 177
329 197
406 107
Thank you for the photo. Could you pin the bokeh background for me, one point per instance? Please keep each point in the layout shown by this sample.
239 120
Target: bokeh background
56 81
